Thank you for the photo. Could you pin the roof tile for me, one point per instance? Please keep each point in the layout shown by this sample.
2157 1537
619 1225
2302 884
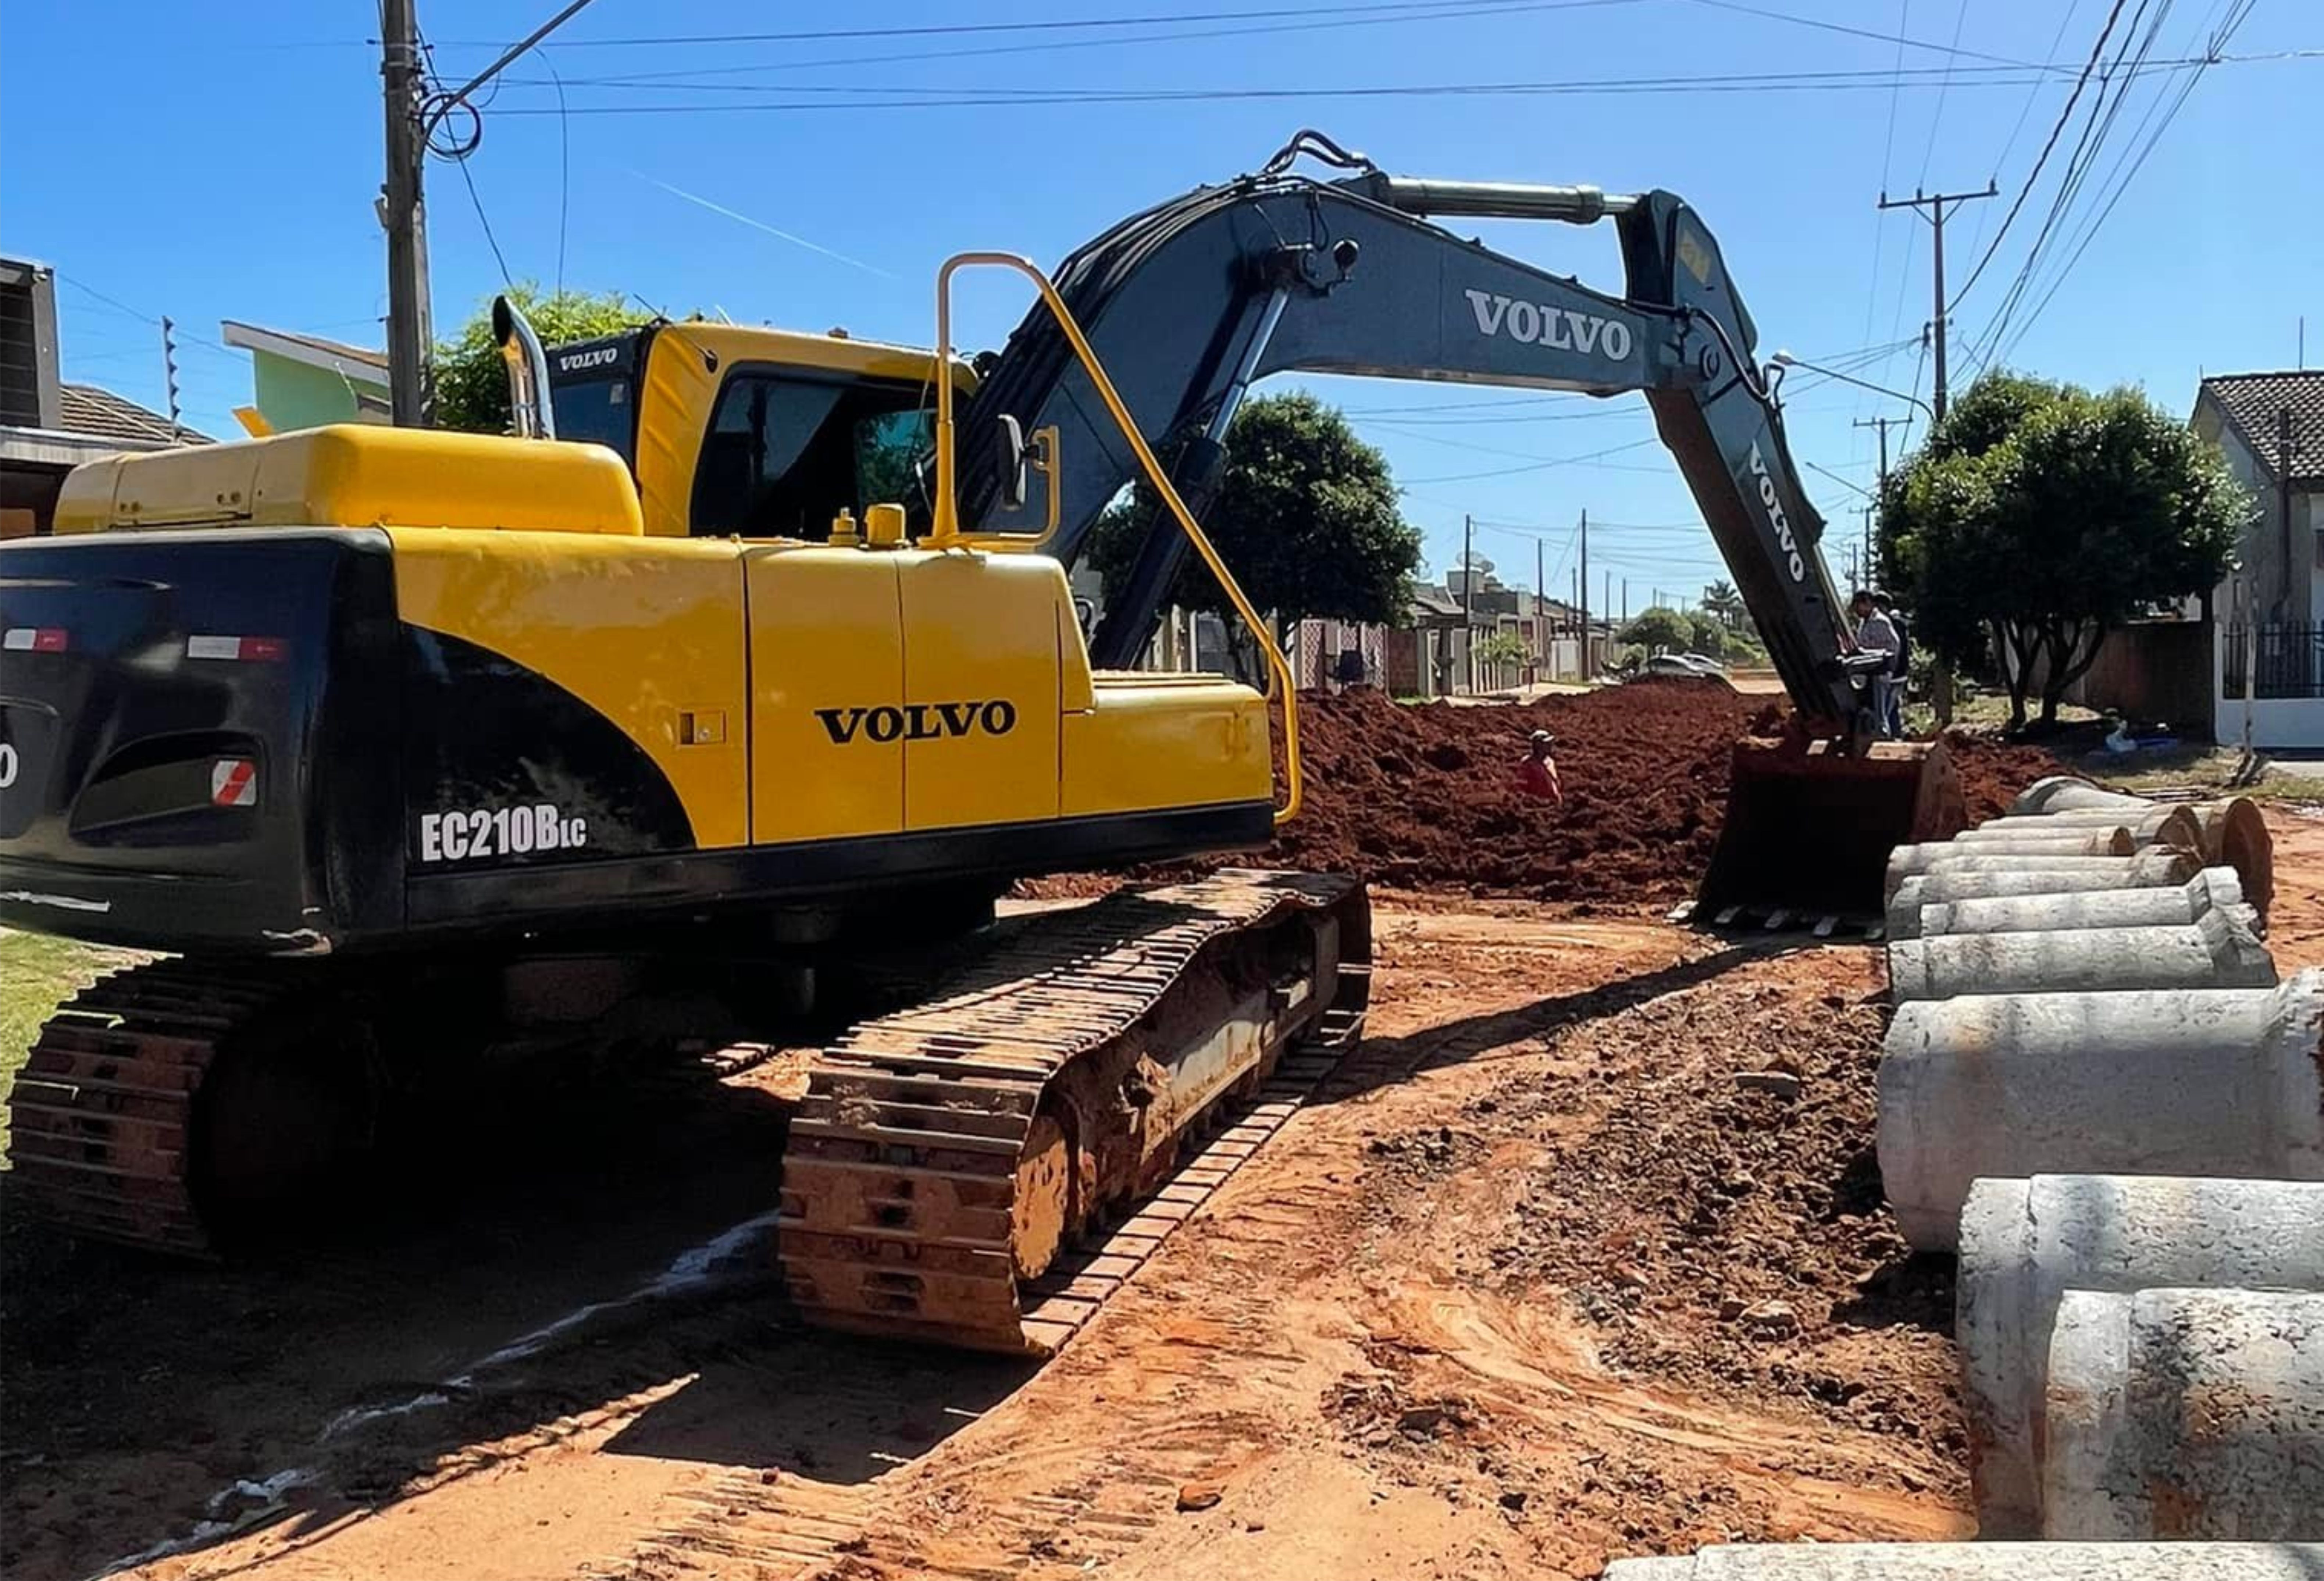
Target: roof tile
2250 401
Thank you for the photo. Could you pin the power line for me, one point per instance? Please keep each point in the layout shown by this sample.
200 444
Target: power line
1058 25
1543 466
2042 158
2087 145
849 101
1453 9
2136 163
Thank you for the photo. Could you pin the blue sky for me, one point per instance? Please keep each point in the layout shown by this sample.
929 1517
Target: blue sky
223 163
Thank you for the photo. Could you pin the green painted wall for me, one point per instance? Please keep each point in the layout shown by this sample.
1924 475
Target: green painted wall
292 395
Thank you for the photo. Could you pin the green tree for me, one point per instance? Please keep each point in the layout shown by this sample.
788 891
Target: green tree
471 378
2040 516
1709 634
1660 629
1306 518
1498 650
1722 601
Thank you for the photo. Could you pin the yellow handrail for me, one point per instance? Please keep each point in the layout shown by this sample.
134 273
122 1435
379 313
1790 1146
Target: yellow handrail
946 534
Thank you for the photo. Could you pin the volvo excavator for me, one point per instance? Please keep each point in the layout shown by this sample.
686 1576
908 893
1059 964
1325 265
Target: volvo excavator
751 659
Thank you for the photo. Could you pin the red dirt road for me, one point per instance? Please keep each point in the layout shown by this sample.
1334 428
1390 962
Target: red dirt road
1537 1281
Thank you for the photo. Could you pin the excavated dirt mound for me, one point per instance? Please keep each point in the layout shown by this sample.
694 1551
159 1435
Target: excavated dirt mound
1992 771
1425 797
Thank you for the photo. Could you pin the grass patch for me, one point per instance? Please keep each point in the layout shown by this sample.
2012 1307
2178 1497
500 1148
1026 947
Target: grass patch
37 974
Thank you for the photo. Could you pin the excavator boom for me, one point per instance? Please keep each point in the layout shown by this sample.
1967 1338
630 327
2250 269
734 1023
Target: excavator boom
1190 303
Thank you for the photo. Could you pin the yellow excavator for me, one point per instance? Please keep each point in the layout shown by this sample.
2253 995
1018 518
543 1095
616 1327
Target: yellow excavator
750 658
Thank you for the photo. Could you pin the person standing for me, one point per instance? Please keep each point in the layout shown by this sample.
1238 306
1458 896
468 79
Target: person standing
1538 774
1875 633
1899 665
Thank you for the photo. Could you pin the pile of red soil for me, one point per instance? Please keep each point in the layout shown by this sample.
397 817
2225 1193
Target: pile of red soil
1425 797
1992 771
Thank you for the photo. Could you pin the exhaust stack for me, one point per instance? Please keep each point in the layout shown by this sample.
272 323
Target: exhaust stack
528 372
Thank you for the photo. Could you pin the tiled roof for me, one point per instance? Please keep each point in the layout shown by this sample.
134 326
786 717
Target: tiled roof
2250 401
84 408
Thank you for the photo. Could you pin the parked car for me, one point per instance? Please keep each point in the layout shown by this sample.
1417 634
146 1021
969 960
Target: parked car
1684 667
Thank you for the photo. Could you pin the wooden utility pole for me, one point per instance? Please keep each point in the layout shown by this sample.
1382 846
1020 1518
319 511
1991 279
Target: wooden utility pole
1934 202
402 210
413 115
1584 599
1540 598
1468 603
1882 425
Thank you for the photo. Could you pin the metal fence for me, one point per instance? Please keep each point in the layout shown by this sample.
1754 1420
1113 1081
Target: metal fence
2287 660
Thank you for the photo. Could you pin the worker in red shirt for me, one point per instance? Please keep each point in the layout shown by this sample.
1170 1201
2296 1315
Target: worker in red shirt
1538 774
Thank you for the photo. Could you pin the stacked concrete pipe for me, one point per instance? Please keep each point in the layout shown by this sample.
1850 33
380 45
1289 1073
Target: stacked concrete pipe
1970 878
2207 1081
2026 1243
1984 1561
2185 1413
2017 850
2043 910
2231 829
2215 950
2149 825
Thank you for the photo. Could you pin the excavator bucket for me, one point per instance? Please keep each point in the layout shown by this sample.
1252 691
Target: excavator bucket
1810 826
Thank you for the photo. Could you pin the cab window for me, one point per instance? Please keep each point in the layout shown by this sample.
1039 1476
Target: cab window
785 454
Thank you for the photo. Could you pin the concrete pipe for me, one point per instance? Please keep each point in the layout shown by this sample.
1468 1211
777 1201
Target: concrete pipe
2148 825
2208 1081
2154 906
1979 878
1908 860
2232 830
2023 1243
2061 792
2215 950
2185 1414
1984 1561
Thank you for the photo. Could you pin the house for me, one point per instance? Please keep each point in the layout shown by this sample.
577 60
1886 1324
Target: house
48 426
2269 626
304 381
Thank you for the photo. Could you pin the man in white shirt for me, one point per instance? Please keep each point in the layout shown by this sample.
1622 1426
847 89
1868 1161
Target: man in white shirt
1875 633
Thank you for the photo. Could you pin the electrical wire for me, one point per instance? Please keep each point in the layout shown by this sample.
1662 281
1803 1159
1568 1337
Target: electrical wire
1545 465
851 102
2042 159
2090 233
2104 113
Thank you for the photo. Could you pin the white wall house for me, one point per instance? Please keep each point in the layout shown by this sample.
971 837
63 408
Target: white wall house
2269 613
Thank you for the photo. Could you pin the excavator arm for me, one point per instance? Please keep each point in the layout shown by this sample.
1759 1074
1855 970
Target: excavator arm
1189 303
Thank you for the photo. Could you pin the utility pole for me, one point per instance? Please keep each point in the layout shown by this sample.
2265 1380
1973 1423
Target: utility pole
1883 424
1540 597
170 374
1584 600
413 117
1468 602
1626 600
1934 202
402 210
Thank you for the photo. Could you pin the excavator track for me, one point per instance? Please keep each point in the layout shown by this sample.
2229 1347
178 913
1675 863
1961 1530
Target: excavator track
974 1169
101 1119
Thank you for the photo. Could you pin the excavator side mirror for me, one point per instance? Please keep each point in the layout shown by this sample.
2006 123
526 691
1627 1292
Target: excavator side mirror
1009 438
